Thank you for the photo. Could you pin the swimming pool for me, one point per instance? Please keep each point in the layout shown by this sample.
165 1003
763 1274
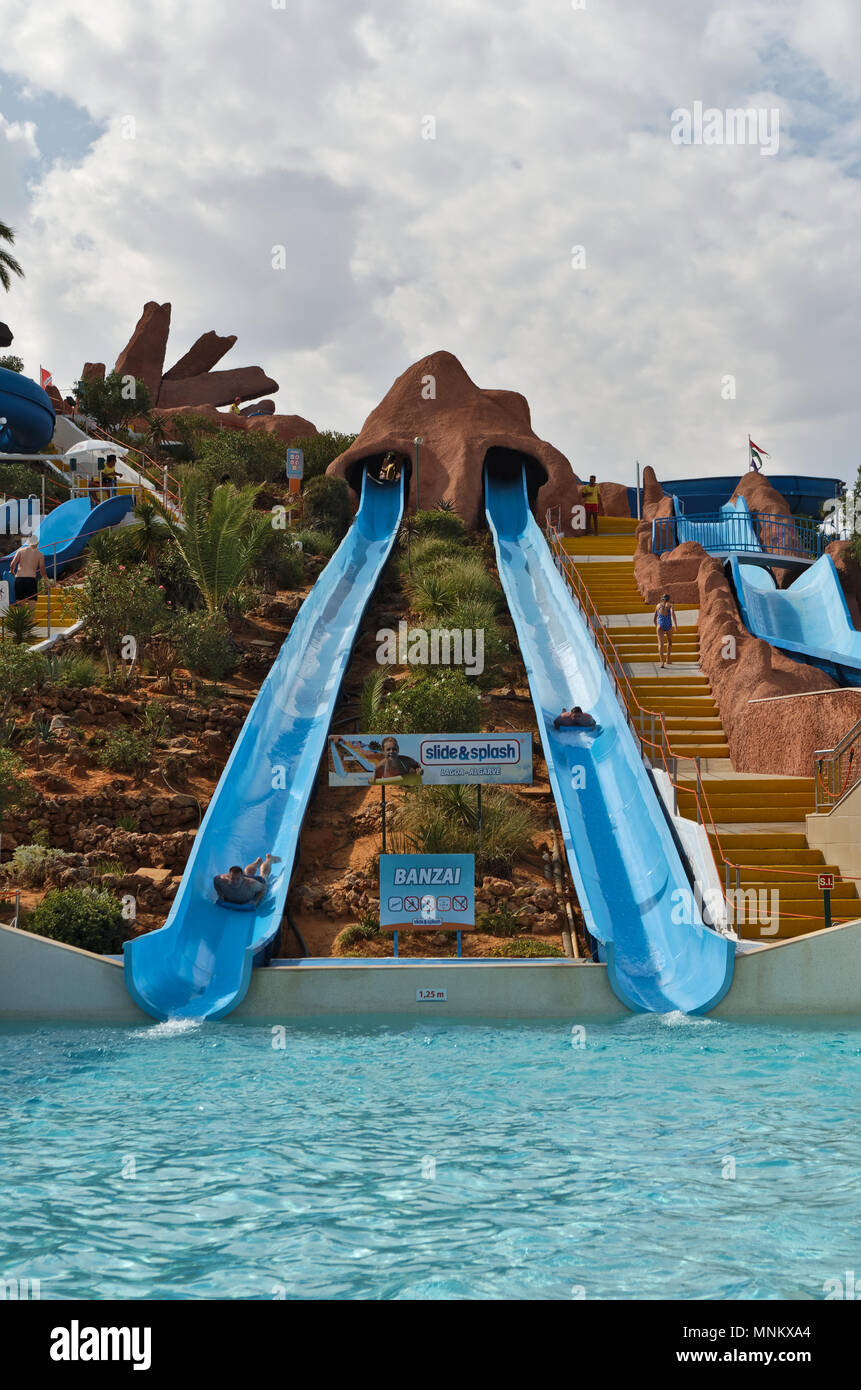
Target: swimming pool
431 1160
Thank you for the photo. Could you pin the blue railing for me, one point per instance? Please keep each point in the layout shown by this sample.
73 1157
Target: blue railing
723 533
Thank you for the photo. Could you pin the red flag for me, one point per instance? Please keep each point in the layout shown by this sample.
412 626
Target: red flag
47 378
757 449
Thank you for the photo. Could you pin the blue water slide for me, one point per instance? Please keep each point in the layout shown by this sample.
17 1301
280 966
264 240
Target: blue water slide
810 619
63 533
199 963
733 531
28 413
632 884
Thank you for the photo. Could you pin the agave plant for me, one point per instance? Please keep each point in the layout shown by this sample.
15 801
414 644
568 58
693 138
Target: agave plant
219 537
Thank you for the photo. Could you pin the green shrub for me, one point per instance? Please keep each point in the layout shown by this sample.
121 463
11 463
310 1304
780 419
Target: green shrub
127 822
251 456
77 671
109 866
109 401
371 698
443 525
19 623
433 554
180 587
526 946
440 820
93 921
470 580
205 644
116 601
127 750
315 542
502 922
326 506
478 616
30 864
365 929
14 787
281 561
433 701
19 668
431 594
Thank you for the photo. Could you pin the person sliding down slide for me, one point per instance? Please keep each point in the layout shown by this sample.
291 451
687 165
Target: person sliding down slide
245 887
574 718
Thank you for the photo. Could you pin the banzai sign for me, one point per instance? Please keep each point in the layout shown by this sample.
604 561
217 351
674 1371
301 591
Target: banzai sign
427 892
295 463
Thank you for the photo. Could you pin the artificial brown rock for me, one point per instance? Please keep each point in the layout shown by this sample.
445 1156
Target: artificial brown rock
258 408
285 427
462 427
614 499
93 371
201 357
674 572
216 388
655 500
143 355
849 573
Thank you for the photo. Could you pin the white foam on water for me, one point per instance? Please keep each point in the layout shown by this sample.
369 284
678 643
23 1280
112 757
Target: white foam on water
170 1028
677 1019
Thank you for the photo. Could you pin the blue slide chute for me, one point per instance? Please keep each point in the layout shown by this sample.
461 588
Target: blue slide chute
810 619
199 963
64 532
28 413
632 885
734 531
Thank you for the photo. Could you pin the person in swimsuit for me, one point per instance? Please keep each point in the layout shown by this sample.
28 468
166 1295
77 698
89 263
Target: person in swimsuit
590 497
27 565
575 718
665 621
396 765
248 885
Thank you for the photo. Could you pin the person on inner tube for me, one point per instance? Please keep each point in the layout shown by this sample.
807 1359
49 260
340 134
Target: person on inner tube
240 886
575 718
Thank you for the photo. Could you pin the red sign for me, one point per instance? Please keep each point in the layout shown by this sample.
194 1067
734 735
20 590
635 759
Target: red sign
826 880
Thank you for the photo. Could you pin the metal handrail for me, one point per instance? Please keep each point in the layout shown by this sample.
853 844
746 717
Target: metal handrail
831 786
159 476
774 534
657 724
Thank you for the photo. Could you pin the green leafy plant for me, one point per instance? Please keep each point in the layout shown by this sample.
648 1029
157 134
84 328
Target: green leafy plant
315 542
442 523
429 701
371 700
8 265
76 671
127 822
321 449
431 594
30 864
524 947
116 601
18 673
11 363
108 866
14 787
91 920
127 750
439 820
205 644
220 538
281 562
366 929
114 401
326 504
19 623
501 922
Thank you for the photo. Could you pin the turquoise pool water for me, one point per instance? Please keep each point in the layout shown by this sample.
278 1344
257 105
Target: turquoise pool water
431 1160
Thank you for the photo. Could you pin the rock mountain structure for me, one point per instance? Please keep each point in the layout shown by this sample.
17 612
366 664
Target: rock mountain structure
463 427
191 384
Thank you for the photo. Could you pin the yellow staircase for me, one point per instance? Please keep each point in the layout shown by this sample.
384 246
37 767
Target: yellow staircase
759 820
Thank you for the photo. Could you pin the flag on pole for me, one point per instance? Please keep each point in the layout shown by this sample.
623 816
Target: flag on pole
756 455
47 378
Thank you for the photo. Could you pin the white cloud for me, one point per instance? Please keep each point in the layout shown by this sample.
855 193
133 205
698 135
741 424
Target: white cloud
303 126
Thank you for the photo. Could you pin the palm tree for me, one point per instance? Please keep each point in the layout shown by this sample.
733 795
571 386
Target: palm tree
7 263
147 540
219 537
156 435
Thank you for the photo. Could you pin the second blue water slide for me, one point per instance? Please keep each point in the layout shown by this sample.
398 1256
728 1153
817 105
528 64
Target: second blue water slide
810 619
27 412
198 965
64 532
734 531
632 885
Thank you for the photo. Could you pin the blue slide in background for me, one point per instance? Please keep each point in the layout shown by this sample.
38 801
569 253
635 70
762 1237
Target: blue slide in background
623 856
69 526
735 530
28 413
810 619
198 965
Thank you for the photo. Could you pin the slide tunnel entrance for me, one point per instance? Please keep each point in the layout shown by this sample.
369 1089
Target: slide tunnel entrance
507 465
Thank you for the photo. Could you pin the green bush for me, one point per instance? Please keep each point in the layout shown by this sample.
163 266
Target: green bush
115 601
440 820
365 929
326 506
315 542
432 554
11 362
371 698
431 701
320 450
112 402
127 822
30 864
93 921
180 587
440 524
431 594
14 787
205 644
19 671
251 456
281 561
502 922
19 623
127 750
525 946
471 581
77 671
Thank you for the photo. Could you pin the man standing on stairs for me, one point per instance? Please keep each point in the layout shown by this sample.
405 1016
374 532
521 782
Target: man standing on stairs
665 620
590 497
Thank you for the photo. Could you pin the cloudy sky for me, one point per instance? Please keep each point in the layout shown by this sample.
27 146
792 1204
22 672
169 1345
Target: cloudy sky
150 150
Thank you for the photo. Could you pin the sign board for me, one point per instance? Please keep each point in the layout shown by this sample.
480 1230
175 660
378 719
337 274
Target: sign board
427 892
4 597
429 760
295 463
431 996
826 880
